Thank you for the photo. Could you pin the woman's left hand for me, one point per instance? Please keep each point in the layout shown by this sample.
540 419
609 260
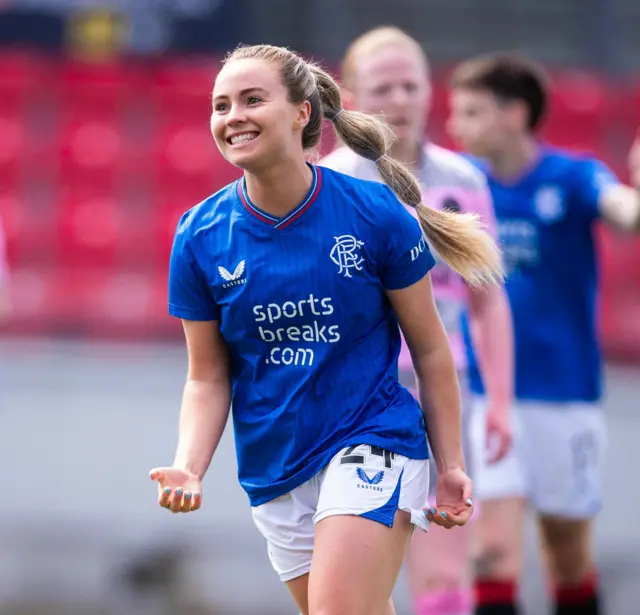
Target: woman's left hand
454 504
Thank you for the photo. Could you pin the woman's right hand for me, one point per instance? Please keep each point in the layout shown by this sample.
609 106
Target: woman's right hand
179 491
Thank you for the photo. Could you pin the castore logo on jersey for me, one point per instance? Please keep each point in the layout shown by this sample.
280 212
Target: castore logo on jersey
235 278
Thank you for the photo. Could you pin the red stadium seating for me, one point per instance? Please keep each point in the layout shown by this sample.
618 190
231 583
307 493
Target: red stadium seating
95 231
97 152
579 109
25 156
31 291
99 160
25 78
49 301
187 159
119 304
99 88
12 150
182 87
30 234
578 93
620 305
439 111
91 151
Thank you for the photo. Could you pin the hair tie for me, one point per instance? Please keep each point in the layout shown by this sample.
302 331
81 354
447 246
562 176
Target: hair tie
334 117
379 158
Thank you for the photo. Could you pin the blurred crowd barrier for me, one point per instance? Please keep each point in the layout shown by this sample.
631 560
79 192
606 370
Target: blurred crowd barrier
99 159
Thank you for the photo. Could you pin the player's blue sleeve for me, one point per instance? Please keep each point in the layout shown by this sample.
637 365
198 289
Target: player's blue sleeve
406 257
591 178
189 294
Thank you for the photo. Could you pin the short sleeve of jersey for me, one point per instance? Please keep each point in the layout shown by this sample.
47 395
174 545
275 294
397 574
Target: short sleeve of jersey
591 179
189 294
406 257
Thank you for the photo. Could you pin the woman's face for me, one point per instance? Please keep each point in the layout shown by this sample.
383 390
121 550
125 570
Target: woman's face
253 123
393 81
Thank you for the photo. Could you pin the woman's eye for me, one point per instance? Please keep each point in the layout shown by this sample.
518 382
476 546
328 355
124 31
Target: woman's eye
252 100
221 107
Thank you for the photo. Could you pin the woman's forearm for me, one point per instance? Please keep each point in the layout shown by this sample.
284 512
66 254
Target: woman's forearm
203 416
492 336
439 393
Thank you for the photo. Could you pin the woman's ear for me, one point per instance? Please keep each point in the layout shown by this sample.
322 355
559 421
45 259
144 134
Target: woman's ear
303 115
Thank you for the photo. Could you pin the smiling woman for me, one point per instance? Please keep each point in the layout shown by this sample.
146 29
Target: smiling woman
290 284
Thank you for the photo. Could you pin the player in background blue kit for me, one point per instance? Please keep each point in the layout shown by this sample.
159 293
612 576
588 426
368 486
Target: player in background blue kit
291 284
546 202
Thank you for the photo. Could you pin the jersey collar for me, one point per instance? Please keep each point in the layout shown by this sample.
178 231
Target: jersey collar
292 216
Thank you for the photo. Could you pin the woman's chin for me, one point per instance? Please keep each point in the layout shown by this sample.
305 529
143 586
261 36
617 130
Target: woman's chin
247 161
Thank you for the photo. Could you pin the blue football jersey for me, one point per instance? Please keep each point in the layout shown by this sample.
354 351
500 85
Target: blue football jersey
545 222
312 338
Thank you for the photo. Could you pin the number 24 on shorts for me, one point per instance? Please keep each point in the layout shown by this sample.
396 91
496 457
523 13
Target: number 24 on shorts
351 457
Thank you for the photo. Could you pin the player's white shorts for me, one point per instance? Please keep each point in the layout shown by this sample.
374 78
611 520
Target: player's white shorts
363 480
556 461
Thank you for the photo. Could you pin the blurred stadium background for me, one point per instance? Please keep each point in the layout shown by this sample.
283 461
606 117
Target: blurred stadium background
104 142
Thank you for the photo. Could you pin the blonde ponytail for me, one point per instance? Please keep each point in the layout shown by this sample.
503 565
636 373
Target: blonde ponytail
459 239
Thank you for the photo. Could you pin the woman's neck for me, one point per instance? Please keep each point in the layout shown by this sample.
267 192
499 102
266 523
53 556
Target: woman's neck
511 163
281 188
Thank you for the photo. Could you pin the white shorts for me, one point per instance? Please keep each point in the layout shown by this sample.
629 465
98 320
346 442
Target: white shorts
556 461
362 480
